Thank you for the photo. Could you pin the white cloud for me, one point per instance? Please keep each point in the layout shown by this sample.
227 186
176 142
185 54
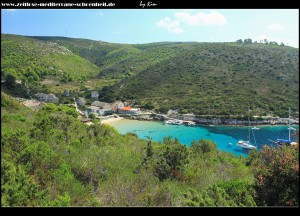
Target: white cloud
276 27
212 18
172 26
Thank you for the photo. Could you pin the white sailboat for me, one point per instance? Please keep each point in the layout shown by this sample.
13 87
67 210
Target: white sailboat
284 141
246 144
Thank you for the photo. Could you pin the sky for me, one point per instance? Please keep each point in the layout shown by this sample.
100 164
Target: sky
138 26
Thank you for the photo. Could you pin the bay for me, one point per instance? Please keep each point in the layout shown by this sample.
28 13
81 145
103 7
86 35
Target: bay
225 137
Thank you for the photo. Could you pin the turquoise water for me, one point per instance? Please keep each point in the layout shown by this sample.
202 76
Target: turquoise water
222 135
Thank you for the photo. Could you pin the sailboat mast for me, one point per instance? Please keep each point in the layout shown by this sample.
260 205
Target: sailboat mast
249 124
289 124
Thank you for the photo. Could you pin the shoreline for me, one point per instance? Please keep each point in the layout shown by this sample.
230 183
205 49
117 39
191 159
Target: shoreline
110 120
214 121
107 121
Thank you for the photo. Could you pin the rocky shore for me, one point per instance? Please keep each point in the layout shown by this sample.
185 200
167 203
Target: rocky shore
212 120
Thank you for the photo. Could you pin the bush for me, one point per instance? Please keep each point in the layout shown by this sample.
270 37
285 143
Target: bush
203 146
276 172
172 160
232 193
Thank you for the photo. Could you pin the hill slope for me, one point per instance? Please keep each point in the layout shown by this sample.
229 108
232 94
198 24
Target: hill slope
53 159
203 78
118 60
28 57
219 79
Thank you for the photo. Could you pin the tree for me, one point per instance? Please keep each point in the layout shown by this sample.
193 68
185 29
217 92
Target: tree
276 172
273 43
232 193
10 81
149 150
172 160
240 41
61 201
248 41
18 188
30 79
203 146
50 107
92 116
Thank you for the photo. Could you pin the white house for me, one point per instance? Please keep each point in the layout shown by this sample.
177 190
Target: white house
173 113
98 111
52 98
117 105
81 101
92 109
49 98
101 105
103 112
94 95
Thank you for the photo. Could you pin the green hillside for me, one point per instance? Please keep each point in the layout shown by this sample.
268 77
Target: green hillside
94 51
118 60
50 158
218 79
203 78
53 159
34 59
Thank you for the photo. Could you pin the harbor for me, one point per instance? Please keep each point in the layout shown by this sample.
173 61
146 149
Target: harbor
222 135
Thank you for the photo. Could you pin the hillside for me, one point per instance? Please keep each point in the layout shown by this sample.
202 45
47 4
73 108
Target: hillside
203 78
53 159
50 158
218 79
31 59
118 60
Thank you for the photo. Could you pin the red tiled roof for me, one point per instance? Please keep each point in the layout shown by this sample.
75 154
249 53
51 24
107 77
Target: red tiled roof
126 108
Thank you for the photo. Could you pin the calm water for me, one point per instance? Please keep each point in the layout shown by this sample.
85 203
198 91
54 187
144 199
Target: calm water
222 135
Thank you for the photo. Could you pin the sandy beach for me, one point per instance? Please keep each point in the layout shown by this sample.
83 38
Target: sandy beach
107 121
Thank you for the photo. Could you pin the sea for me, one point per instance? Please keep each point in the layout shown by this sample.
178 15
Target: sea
226 137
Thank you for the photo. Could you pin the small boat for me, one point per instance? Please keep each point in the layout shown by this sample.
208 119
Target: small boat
282 142
211 125
191 123
167 122
255 128
287 142
291 128
176 122
245 145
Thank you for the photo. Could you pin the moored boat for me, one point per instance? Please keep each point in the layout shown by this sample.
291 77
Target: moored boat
174 122
246 144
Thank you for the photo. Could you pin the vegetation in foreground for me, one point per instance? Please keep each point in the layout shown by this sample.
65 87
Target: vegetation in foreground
49 158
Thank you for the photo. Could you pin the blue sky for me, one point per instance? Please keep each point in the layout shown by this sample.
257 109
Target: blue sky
154 25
